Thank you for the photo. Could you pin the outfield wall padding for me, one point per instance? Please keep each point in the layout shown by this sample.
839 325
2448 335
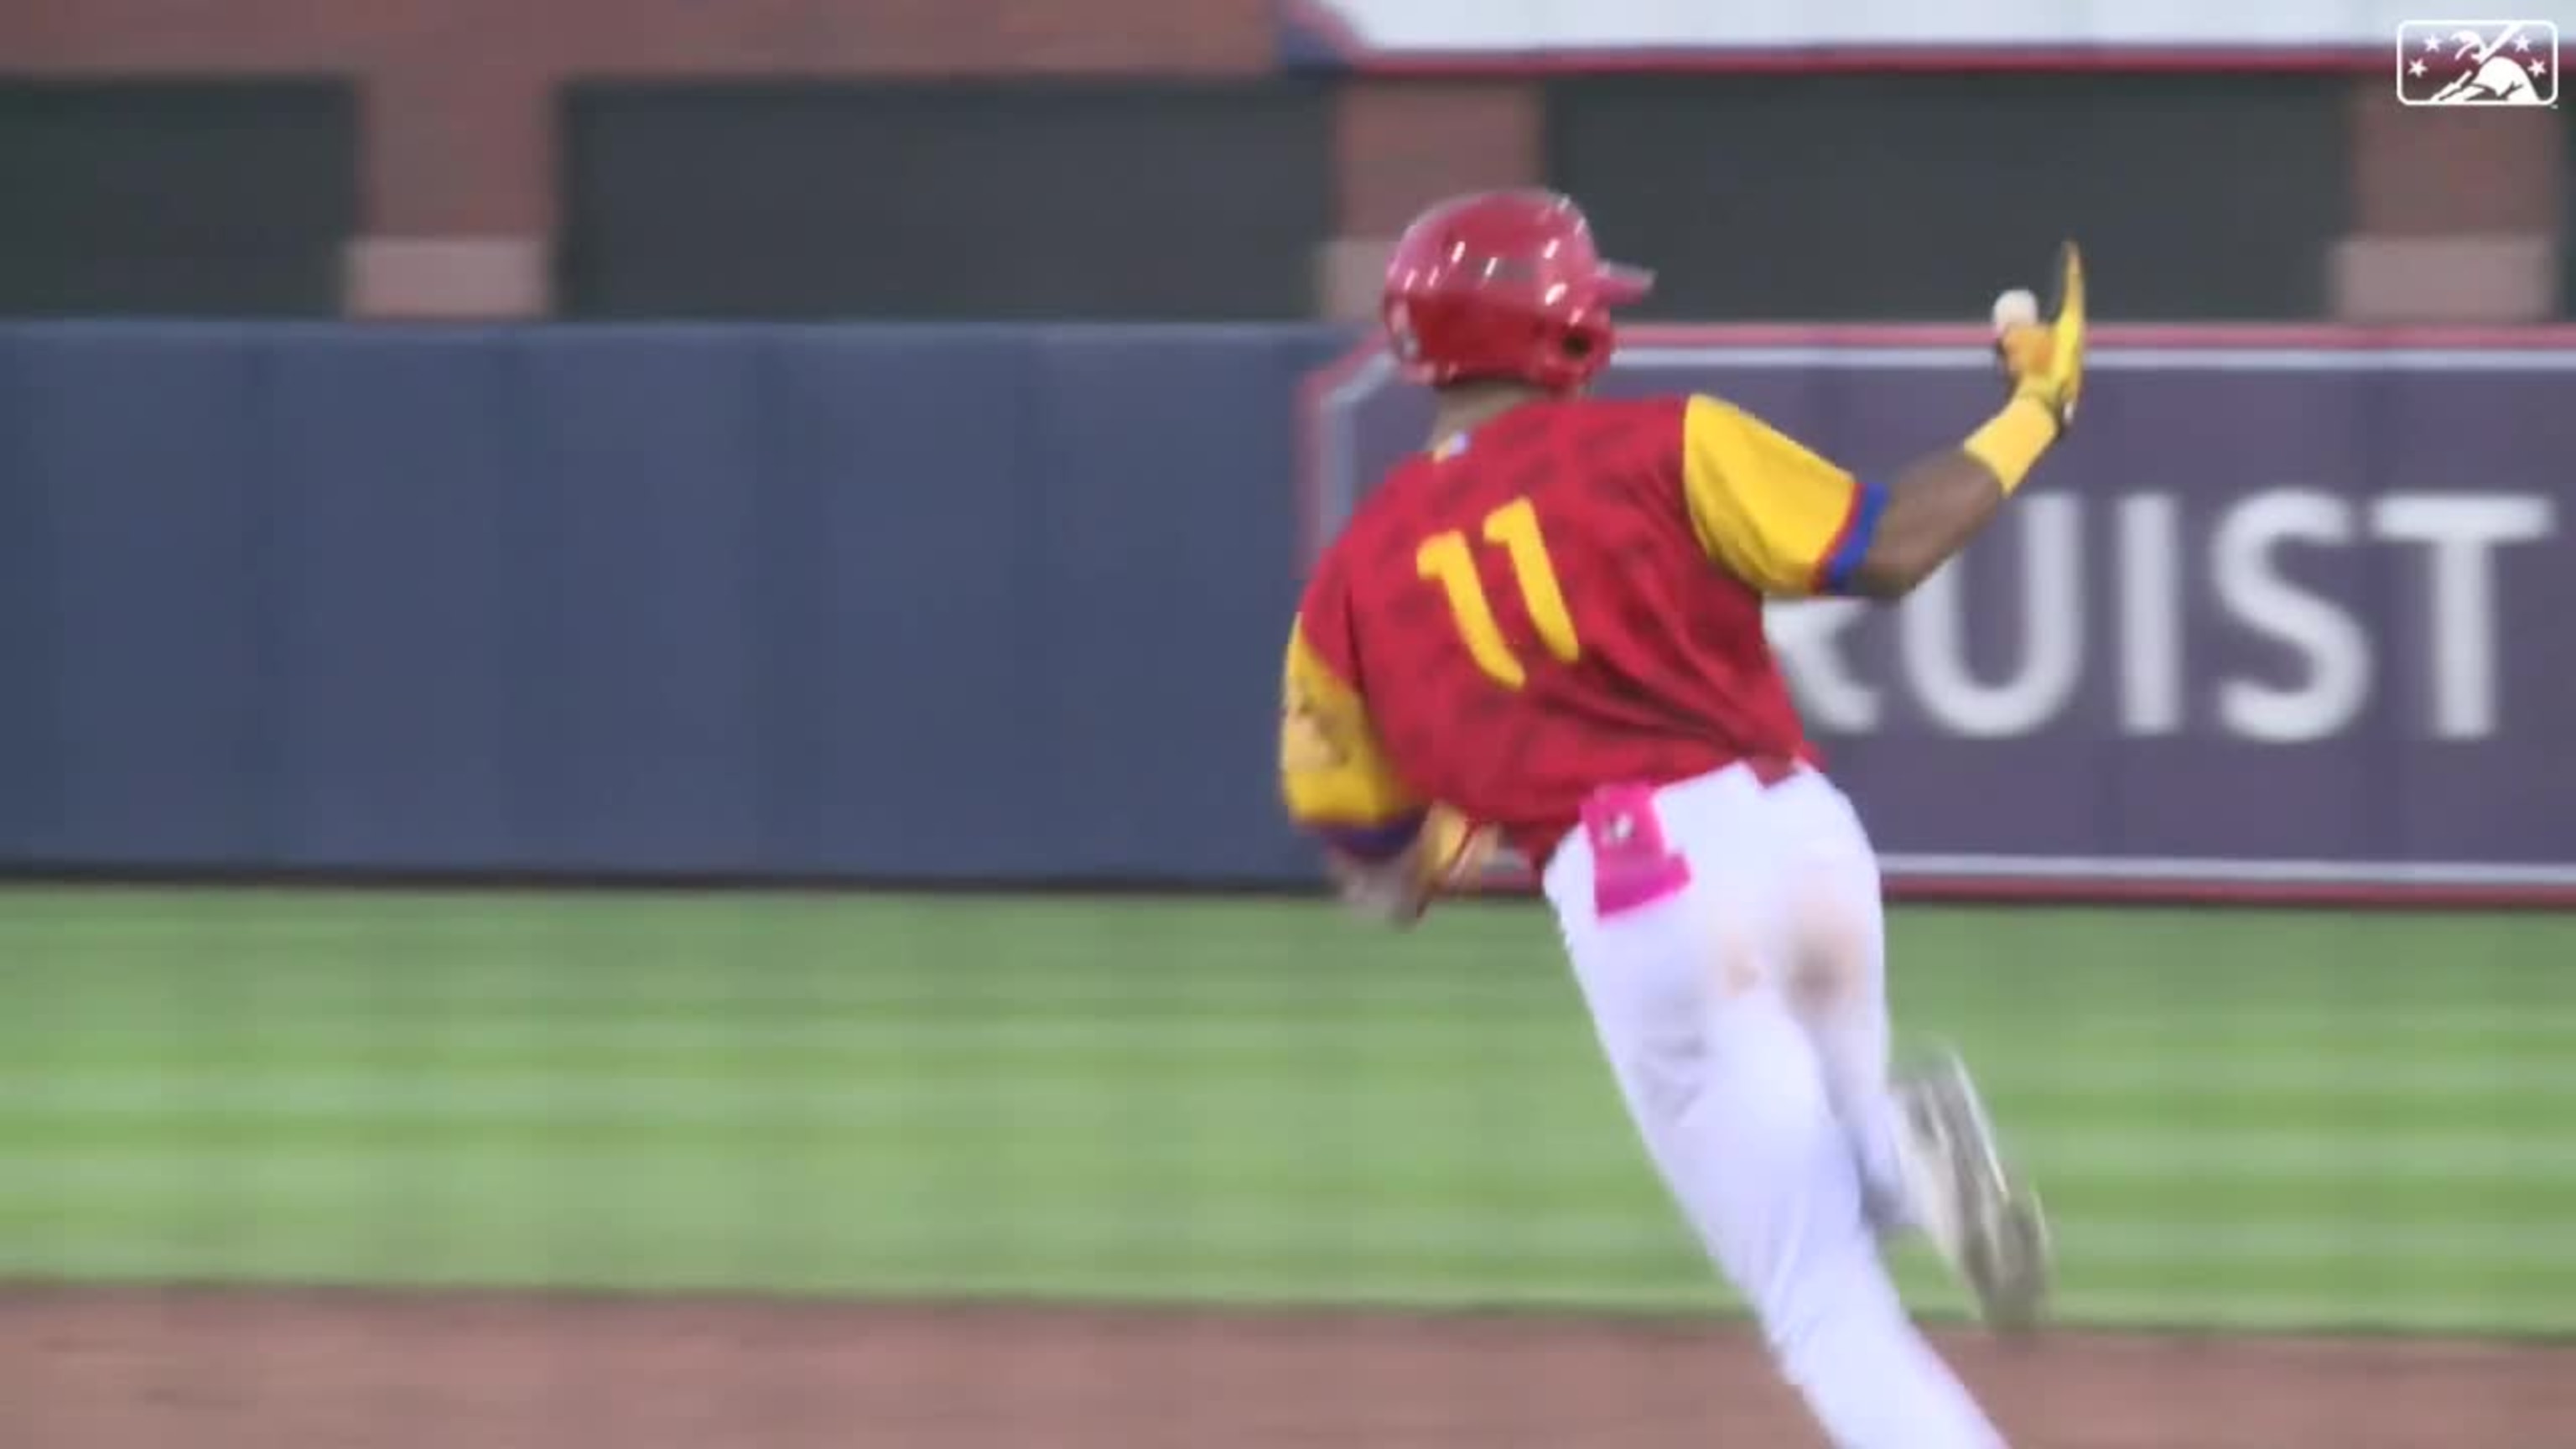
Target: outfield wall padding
2291 612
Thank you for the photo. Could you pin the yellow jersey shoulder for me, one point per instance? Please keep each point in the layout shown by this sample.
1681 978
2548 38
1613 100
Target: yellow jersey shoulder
1769 509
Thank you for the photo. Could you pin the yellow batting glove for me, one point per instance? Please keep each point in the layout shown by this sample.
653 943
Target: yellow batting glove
2044 356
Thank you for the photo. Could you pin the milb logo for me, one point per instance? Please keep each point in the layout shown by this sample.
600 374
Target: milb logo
2477 63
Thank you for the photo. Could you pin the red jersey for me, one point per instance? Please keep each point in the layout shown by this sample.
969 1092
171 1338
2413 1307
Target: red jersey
1569 596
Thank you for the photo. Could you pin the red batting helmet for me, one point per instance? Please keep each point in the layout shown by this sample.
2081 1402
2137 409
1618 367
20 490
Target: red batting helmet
1504 285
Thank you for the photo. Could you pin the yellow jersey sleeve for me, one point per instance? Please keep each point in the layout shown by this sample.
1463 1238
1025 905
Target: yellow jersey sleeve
1332 772
1769 510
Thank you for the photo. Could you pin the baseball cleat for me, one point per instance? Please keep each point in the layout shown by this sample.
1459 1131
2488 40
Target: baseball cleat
1986 1223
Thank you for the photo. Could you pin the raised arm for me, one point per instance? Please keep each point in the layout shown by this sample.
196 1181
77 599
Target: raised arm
1791 524
1944 499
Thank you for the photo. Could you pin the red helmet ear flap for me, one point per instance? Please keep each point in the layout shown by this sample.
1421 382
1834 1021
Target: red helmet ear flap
1582 347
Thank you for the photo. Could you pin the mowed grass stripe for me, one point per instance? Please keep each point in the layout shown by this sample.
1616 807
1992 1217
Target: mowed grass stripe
422 1225
593 1263
2291 1094
1346 1138
2338 1145
842 1208
861 960
1237 1067
862 957
2067 958
2174 1061
1016 1182
1115 986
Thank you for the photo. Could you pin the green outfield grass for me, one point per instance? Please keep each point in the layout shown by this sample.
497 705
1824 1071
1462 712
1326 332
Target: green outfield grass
2238 1118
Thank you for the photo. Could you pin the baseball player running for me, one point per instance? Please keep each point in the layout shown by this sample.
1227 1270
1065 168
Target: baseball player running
1546 627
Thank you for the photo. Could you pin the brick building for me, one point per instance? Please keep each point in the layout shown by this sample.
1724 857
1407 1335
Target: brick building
1152 158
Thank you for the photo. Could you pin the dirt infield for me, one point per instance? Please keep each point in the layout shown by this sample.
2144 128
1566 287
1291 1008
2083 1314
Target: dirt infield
238 1370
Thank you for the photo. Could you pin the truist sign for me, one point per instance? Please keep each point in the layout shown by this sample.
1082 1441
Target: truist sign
2287 616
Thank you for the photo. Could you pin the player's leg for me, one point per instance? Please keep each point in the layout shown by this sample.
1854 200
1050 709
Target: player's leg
1838 984
1679 955
1926 1150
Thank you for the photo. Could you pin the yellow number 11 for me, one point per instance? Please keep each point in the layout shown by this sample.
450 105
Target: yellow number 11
1447 560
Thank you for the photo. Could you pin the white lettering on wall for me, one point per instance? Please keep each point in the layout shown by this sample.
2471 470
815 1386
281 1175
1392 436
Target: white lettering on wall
2461 532
1933 628
1808 638
2166 576
2334 653
2151 681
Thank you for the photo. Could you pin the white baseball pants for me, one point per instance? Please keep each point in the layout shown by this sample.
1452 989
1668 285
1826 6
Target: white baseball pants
1728 938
